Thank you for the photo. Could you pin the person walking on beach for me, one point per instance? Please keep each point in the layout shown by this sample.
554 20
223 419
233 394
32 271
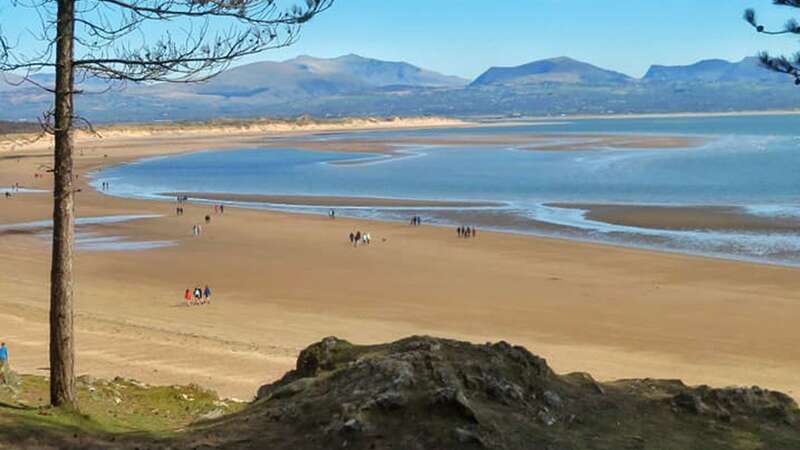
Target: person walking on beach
198 296
3 355
207 294
187 296
222 209
332 214
358 238
5 368
352 237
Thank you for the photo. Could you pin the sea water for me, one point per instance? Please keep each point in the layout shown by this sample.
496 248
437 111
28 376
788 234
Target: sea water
748 162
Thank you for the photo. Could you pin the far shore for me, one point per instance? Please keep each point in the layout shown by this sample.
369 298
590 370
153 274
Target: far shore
621 116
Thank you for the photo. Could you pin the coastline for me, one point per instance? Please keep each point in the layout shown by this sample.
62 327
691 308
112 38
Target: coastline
284 280
327 201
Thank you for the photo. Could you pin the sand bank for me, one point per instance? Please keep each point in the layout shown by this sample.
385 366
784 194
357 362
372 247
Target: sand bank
525 141
685 218
282 281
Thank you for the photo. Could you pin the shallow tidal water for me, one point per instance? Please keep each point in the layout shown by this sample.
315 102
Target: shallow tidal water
748 162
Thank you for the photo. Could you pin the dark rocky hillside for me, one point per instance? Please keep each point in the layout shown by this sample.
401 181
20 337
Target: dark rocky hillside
426 393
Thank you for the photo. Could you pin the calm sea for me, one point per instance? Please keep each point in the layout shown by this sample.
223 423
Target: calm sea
750 162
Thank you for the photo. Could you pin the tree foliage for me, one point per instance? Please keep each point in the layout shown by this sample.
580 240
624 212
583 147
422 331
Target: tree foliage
781 63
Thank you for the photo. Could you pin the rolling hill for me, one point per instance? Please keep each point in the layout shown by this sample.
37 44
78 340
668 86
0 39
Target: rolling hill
555 70
353 85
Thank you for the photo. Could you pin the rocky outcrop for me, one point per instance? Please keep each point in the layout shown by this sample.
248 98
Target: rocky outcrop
427 393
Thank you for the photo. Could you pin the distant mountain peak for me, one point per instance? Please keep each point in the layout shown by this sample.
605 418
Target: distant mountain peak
561 69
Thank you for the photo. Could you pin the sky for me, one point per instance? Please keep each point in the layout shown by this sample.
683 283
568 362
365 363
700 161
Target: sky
465 37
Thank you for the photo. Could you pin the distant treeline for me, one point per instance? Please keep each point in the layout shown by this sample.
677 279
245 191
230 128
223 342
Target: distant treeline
18 127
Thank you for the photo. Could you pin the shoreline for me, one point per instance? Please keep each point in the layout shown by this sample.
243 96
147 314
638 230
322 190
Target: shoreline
284 280
325 201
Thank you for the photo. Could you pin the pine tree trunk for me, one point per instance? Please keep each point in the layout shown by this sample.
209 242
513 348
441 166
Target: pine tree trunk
62 348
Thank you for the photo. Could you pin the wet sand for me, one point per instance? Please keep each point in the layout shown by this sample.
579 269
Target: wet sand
282 281
685 218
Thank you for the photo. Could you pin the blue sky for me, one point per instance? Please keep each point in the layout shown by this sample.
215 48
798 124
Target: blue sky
464 37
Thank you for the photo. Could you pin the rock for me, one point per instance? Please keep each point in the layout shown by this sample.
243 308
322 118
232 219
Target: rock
324 355
504 391
87 380
424 393
285 391
352 426
546 417
401 372
552 399
689 402
213 414
464 436
452 397
391 400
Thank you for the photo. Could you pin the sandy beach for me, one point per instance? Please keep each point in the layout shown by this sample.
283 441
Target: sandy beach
282 281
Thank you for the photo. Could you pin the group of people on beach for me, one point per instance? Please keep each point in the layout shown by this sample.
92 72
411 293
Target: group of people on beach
197 296
416 221
14 188
105 185
359 238
197 229
467 232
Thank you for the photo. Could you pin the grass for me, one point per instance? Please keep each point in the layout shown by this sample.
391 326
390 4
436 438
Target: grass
113 410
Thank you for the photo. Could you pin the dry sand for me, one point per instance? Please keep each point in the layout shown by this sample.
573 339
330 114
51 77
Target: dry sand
283 281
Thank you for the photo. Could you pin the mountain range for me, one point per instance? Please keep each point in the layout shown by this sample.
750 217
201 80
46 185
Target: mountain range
352 85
